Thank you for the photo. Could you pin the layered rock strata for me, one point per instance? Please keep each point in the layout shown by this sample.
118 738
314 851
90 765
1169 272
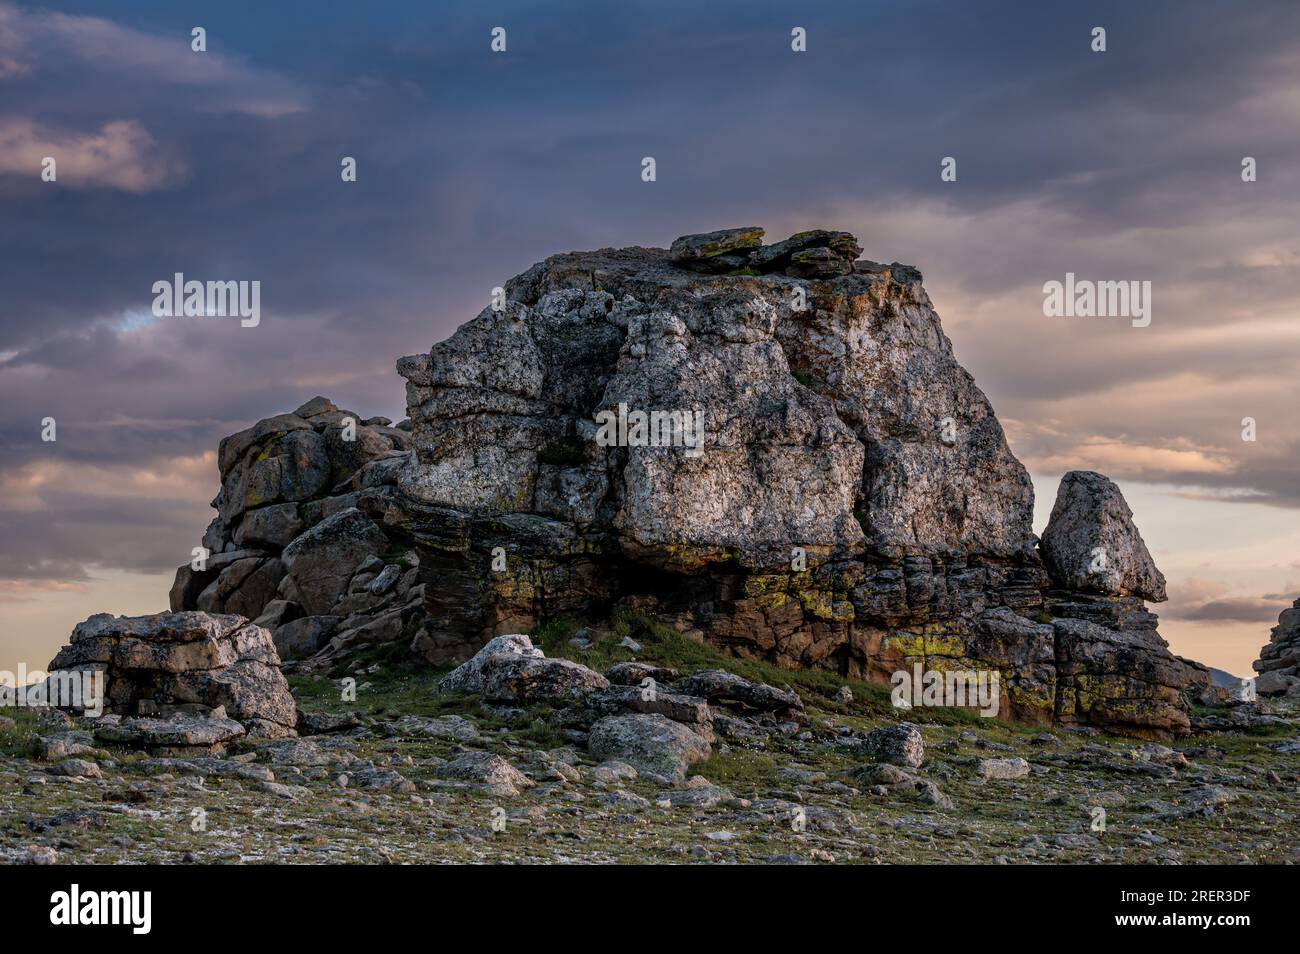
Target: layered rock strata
181 680
1279 662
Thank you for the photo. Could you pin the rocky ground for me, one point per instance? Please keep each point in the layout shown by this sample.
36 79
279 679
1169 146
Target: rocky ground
414 775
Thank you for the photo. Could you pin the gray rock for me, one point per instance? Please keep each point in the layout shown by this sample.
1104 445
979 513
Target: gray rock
62 745
691 249
1207 799
317 405
689 710
227 585
824 428
323 723
298 752
208 768
187 586
301 638
187 661
292 465
386 579
1091 543
485 768
385 627
612 772
322 560
842 246
1275 683
899 744
178 733
254 591
468 676
651 743
380 780
718 685
521 679
1279 661
635 673
1005 769
276 613
272 527
250 690
76 768
280 478
453 727
701 796
819 262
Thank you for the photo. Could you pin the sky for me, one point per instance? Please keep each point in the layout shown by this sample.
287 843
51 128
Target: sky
472 165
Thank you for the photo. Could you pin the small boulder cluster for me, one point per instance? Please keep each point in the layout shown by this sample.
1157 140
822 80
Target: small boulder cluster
299 545
1279 662
181 683
635 714
817 253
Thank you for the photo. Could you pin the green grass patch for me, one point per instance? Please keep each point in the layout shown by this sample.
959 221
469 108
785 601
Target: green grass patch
388 692
739 769
16 741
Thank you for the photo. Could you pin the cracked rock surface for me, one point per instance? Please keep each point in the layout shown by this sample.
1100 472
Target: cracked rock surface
849 503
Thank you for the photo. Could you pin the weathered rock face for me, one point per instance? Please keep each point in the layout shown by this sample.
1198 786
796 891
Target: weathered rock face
899 744
853 402
1114 670
294 544
1091 544
771 447
519 679
323 561
185 665
468 676
1279 662
650 743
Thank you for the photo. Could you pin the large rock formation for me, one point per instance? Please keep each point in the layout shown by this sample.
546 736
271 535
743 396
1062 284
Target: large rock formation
220 670
1112 664
1279 662
773 448
290 545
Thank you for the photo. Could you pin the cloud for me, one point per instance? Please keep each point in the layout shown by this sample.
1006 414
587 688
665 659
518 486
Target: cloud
62 521
26 590
1205 601
121 155
39 45
1238 609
